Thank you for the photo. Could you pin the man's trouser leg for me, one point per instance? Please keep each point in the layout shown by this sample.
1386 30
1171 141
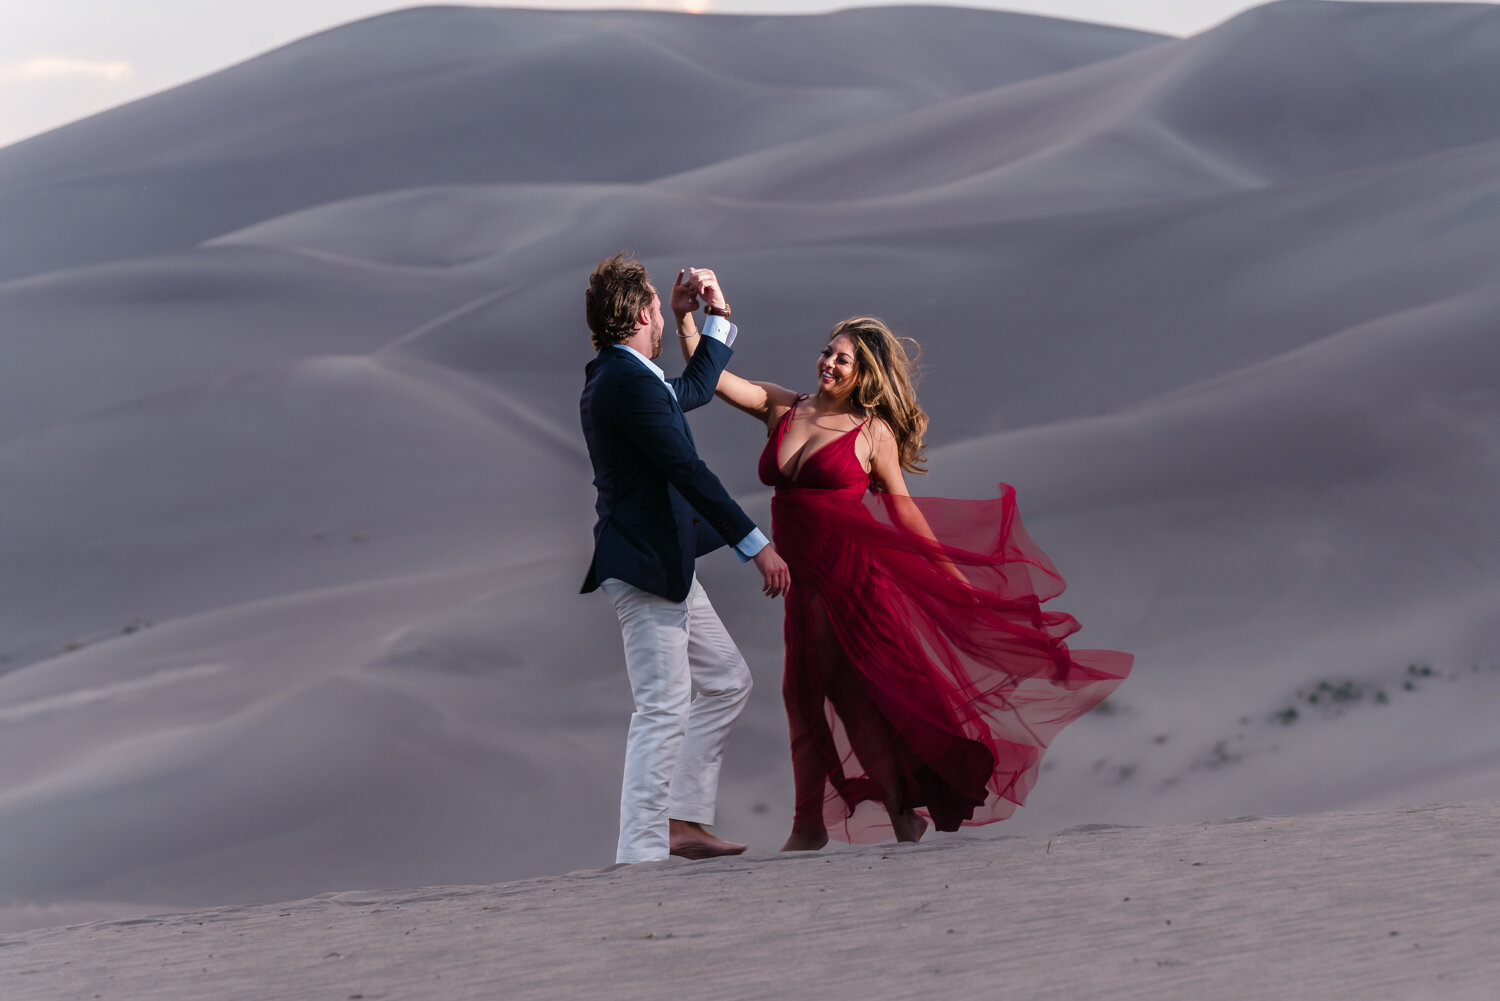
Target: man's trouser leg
676 741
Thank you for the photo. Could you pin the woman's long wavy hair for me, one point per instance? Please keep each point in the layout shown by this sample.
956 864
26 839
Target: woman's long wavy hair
885 384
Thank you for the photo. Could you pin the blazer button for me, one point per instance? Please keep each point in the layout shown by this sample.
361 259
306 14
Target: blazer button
695 521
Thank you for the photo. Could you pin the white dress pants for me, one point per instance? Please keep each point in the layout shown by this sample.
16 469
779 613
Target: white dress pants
689 683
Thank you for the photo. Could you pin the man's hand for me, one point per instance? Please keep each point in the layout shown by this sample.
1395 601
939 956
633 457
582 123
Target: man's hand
778 579
684 294
706 287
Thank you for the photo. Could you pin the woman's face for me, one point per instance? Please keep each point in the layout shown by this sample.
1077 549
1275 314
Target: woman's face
836 367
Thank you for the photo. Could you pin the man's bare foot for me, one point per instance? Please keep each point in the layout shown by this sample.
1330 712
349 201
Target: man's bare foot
689 840
805 842
908 825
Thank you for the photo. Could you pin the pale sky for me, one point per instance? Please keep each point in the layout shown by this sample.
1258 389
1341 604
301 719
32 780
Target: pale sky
61 60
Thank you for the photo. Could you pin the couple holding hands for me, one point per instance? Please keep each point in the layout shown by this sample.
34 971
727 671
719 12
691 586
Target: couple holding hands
923 680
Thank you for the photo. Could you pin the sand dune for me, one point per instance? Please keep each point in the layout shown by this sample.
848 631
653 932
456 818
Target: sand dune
295 506
1285 91
1356 906
327 471
89 339
261 728
437 96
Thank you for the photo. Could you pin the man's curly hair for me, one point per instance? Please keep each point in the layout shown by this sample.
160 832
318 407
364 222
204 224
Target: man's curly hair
618 291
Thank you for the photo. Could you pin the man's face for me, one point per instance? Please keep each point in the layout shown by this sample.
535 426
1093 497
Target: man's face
657 323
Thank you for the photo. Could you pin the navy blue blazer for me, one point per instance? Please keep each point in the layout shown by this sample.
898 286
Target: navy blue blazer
659 507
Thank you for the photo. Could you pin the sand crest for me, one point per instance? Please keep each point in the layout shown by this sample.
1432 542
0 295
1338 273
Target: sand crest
1367 906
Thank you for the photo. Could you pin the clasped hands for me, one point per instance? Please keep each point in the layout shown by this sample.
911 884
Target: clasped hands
694 284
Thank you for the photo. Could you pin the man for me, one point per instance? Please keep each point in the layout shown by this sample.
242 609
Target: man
659 509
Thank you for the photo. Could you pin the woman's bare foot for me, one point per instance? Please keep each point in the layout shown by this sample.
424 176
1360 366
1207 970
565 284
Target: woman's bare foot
805 842
908 825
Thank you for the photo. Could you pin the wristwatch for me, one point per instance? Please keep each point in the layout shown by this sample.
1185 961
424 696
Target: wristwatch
712 310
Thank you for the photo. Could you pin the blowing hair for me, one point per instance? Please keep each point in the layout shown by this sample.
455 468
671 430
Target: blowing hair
618 291
885 385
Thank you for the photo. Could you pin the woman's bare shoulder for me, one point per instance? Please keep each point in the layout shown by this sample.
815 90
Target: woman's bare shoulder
779 398
778 405
879 431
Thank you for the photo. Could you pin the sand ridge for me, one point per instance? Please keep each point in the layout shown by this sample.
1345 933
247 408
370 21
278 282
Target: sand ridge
1375 906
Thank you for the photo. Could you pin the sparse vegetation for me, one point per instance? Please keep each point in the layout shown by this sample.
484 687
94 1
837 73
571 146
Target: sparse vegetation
128 629
1325 698
1111 772
1335 696
1217 757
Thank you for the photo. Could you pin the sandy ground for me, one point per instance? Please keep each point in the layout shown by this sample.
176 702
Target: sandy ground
1368 906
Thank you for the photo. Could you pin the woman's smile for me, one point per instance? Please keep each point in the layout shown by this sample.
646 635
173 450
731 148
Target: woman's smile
836 364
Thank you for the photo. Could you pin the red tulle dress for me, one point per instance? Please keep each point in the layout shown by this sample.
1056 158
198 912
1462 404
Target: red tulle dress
899 675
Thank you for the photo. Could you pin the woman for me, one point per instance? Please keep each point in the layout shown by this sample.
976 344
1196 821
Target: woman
922 675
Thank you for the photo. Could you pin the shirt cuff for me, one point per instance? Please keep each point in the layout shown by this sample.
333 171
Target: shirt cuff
751 544
720 330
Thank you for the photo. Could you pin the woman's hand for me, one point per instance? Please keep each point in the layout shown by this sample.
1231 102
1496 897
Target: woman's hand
684 293
706 287
950 568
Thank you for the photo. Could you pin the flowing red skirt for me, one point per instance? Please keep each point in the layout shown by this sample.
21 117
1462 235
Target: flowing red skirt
903 683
